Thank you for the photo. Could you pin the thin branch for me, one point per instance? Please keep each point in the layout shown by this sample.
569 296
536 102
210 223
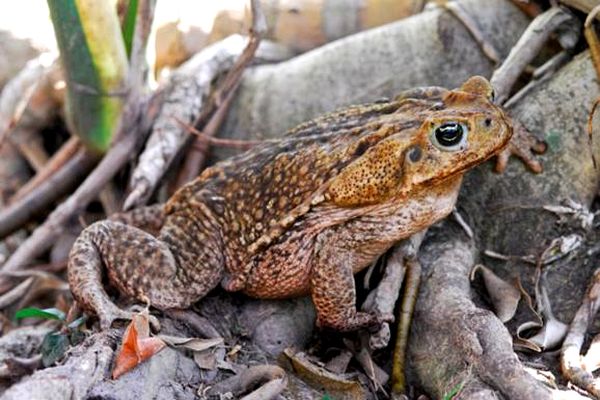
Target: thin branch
19 213
529 46
213 114
215 141
197 155
571 360
59 159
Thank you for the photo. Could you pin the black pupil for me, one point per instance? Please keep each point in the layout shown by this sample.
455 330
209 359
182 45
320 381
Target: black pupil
449 134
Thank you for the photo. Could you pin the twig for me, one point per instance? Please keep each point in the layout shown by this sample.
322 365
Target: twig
413 281
16 293
127 138
590 128
19 213
197 155
31 146
110 198
211 116
471 25
215 141
59 158
594 45
571 361
269 390
592 38
528 46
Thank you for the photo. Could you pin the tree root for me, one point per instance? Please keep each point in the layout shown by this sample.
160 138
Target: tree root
572 363
455 344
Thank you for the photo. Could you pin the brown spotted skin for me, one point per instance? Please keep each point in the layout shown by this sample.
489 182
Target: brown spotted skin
300 215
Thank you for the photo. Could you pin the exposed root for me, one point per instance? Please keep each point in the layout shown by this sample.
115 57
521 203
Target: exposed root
454 343
572 363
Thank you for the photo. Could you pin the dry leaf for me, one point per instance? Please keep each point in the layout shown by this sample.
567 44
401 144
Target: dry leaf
137 346
227 366
205 360
504 296
194 344
549 336
552 331
337 385
560 247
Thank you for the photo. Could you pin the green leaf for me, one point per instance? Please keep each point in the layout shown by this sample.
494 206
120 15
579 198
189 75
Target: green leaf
454 391
33 312
95 63
54 346
128 25
77 323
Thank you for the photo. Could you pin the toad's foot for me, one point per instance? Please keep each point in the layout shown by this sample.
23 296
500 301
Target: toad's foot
523 145
354 322
109 313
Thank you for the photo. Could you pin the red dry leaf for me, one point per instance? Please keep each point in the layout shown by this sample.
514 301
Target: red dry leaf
137 346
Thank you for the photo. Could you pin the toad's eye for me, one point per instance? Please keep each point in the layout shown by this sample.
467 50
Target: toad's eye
450 136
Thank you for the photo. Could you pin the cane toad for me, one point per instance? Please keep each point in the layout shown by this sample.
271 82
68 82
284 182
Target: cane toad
299 215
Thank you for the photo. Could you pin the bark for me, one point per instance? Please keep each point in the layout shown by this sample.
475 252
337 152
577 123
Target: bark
454 342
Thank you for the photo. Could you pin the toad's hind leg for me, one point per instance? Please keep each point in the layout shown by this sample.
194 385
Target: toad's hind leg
172 270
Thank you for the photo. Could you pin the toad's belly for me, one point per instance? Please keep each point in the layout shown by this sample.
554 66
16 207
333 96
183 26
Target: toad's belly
284 269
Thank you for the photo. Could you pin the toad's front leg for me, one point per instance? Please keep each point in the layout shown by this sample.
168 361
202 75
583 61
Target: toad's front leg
332 284
172 270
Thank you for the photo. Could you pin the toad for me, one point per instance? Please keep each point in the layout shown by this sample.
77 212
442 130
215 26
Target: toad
298 215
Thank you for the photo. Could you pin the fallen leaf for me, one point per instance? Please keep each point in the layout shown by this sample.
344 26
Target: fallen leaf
551 333
194 344
319 377
560 247
549 336
205 360
234 350
137 346
227 366
503 295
